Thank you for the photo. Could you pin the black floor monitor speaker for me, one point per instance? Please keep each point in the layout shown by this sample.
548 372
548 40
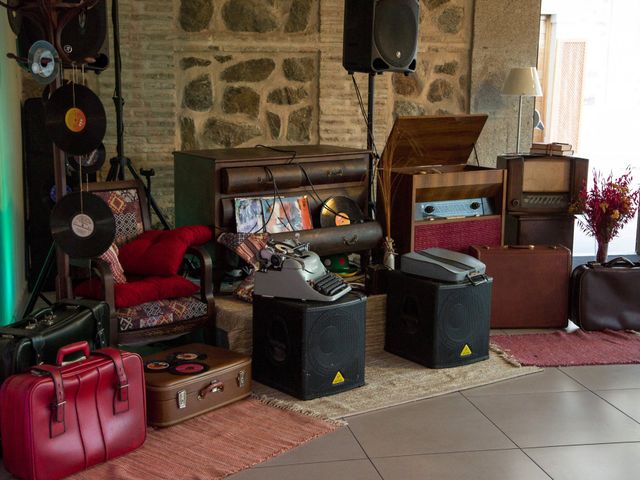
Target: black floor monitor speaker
437 324
380 35
309 349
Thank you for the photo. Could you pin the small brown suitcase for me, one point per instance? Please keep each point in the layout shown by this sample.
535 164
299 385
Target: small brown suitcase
186 381
530 285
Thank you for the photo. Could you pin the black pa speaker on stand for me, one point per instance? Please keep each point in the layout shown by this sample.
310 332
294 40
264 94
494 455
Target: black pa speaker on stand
437 324
309 349
380 35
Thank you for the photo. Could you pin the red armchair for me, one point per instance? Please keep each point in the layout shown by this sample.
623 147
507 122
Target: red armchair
159 319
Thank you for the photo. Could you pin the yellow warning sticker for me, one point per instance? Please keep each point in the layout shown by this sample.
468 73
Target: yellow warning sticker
337 379
466 351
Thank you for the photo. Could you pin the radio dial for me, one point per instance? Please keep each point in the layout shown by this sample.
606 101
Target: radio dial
475 206
429 209
515 202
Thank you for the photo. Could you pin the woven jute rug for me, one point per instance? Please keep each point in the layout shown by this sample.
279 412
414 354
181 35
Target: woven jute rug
561 349
213 445
391 380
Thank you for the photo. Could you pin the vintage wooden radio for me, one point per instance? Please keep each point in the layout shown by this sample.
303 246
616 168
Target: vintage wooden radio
438 200
542 183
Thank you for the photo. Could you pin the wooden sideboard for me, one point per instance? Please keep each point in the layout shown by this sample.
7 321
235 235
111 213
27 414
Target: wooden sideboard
208 181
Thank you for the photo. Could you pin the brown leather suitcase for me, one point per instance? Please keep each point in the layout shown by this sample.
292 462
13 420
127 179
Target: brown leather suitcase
186 381
530 284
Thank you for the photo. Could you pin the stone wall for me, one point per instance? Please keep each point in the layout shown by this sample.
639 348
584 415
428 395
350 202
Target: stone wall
228 73
505 36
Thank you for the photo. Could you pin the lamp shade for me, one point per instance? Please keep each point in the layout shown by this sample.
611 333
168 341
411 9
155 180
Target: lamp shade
524 82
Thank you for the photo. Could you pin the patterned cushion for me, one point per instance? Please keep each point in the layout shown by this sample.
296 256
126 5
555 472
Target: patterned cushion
161 312
125 205
111 257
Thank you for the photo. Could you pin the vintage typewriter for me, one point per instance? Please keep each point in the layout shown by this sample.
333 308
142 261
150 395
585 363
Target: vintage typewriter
289 271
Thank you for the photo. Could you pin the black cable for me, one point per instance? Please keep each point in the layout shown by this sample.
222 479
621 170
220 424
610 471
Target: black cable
277 194
281 150
304 171
365 116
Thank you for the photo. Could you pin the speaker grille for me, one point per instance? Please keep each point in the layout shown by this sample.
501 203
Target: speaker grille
459 236
395 32
461 311
277 347
330 342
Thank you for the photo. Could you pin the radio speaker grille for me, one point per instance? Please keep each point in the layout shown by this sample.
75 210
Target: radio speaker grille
459 236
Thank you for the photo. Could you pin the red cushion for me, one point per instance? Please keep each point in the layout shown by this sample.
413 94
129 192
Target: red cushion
139 291
160 252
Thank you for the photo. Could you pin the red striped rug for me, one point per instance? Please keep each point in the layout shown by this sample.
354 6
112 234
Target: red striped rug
214 445
560 349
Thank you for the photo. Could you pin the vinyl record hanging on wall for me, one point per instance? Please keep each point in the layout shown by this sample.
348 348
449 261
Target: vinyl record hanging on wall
82 225
43 62
91 162
338 211
75 119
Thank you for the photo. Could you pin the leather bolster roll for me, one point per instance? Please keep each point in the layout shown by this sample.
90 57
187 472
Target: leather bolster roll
256 179
335 240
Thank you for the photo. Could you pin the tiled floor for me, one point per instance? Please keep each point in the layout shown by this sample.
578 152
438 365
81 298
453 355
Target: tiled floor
578 423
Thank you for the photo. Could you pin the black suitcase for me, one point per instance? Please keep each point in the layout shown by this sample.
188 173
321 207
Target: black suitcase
606 296
37 338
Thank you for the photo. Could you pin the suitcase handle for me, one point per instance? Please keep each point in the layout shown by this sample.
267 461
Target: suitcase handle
619 262
214 387
72 348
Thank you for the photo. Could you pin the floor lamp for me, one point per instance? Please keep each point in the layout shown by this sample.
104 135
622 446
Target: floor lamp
523 82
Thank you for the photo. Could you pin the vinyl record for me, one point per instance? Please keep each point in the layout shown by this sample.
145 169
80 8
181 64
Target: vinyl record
188 368
186 357
155 366
31 31
43 62
338 211
82 37
75 119
91 163
82 230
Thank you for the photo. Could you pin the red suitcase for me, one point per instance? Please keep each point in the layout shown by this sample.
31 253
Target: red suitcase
59 420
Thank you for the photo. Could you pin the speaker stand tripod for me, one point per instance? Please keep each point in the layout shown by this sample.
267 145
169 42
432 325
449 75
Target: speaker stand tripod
120 161
370 145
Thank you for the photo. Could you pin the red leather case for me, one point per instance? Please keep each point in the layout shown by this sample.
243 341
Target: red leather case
59 420
530 284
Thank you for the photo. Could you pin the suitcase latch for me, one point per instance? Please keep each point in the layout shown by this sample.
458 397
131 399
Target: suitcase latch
214 387
241 378
182 399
